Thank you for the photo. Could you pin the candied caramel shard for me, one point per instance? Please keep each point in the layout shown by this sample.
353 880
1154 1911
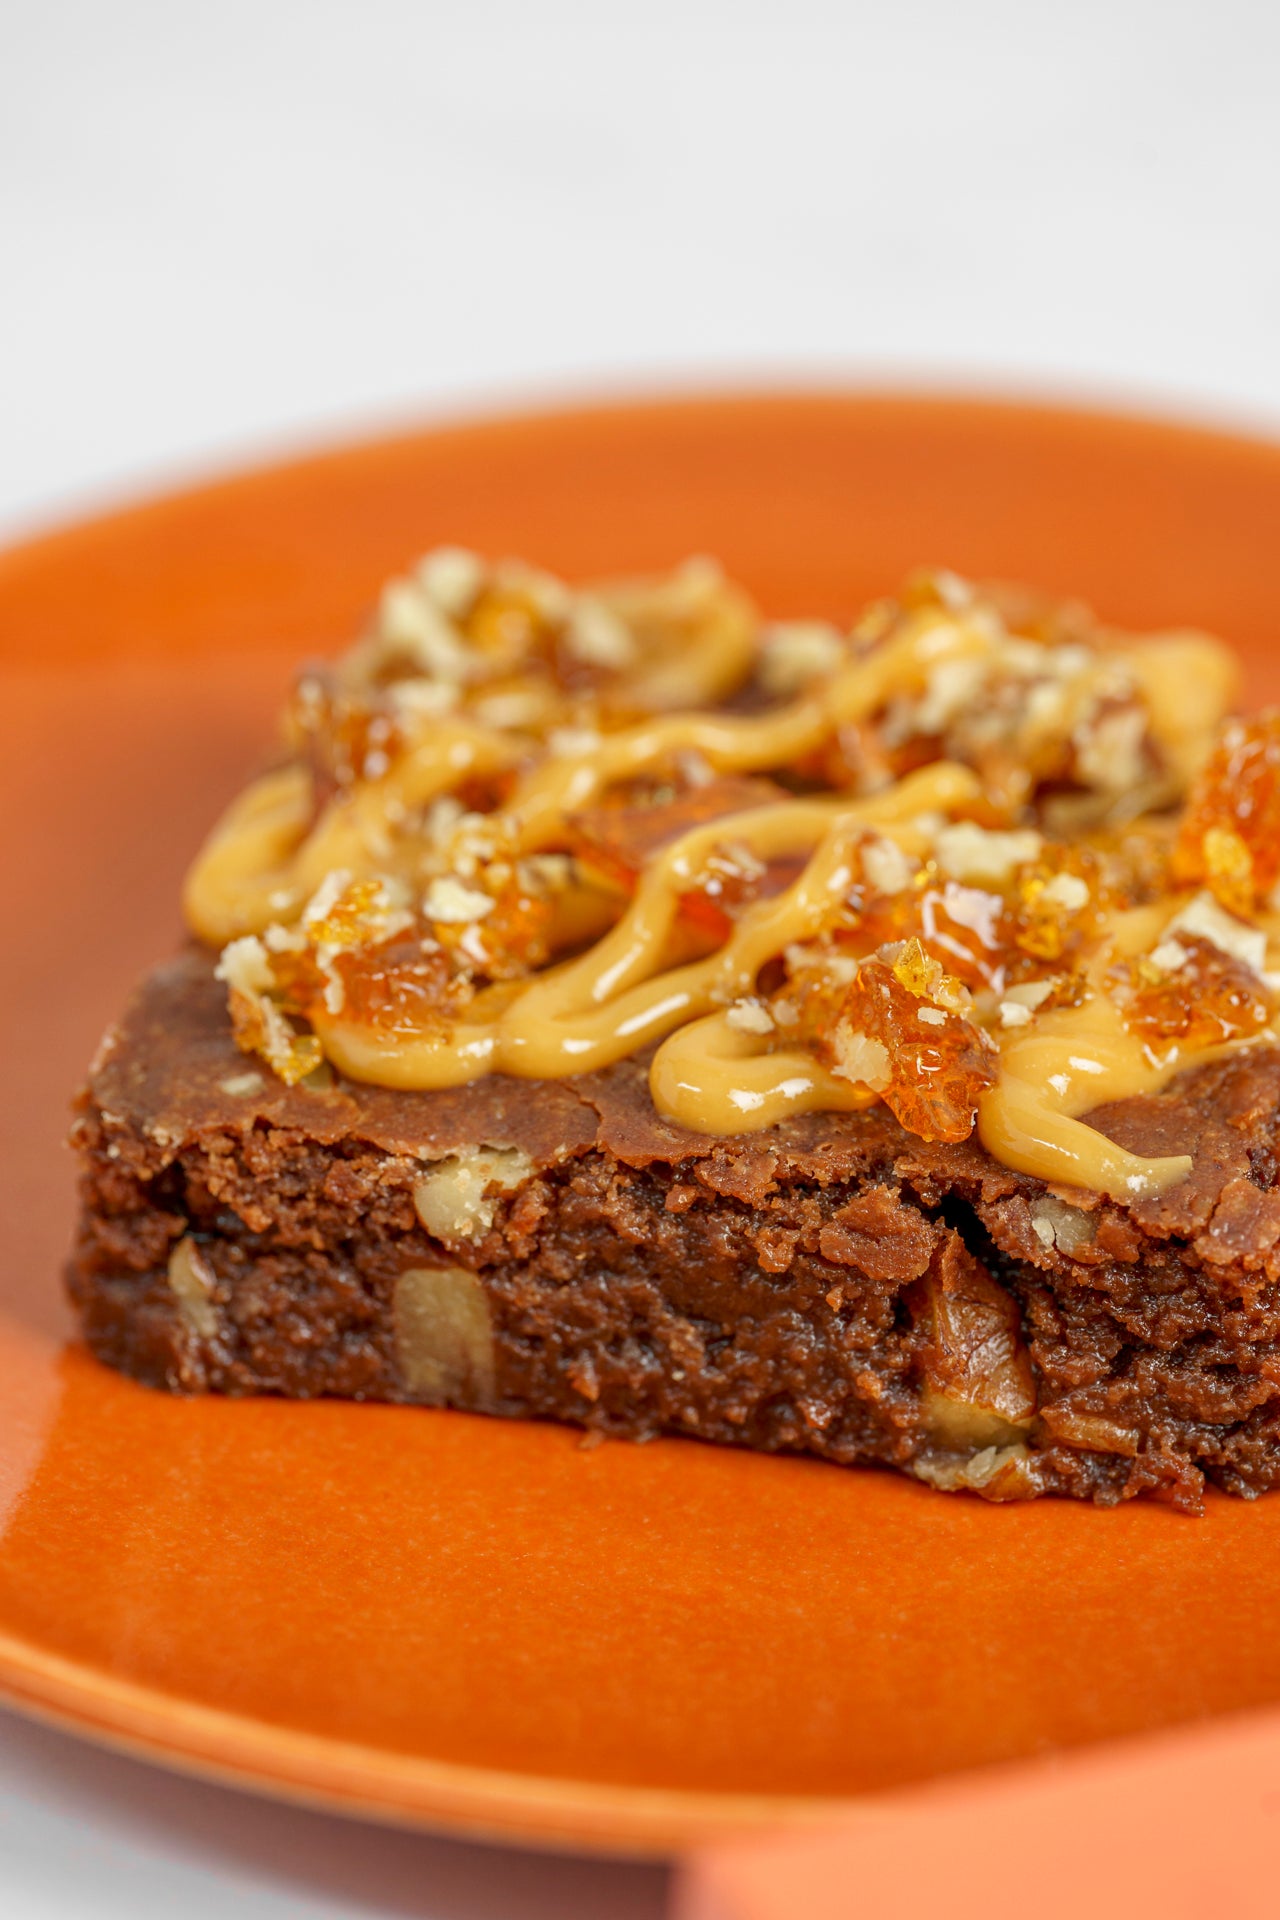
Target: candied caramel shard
1193 993
1229 839
930 1062
1059 904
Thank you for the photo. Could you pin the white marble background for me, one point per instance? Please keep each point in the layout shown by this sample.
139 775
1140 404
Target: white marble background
232 228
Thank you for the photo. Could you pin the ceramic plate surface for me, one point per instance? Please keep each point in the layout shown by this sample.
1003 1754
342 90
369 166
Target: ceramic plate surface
431 1617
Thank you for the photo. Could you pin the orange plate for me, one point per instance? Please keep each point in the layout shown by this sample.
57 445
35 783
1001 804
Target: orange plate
427 1616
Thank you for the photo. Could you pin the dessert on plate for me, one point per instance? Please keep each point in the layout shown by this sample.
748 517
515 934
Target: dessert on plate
619 1007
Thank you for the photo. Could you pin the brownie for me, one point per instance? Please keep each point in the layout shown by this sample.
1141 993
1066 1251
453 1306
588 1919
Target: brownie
833 1285
852 927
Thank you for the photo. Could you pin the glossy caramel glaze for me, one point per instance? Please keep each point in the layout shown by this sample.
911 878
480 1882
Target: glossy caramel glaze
393 896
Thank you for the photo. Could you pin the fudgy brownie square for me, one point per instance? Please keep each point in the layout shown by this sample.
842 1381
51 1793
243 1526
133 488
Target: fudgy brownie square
833 1286
618 1008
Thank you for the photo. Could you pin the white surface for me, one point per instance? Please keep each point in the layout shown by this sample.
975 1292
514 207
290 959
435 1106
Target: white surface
228 226
239 226
86 1833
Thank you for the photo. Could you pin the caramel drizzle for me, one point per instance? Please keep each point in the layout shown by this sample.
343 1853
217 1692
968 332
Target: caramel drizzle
263 861
630 990
621 995
1075 1059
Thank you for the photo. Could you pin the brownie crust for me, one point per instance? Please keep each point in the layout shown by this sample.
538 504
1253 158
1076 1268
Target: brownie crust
557 1250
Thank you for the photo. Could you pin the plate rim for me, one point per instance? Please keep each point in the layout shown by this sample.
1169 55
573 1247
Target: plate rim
550 1813
1089 408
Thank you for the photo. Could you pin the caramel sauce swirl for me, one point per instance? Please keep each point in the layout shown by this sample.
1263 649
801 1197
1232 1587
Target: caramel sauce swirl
427 910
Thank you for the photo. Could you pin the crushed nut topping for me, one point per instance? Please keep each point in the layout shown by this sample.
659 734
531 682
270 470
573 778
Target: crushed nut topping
933 861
